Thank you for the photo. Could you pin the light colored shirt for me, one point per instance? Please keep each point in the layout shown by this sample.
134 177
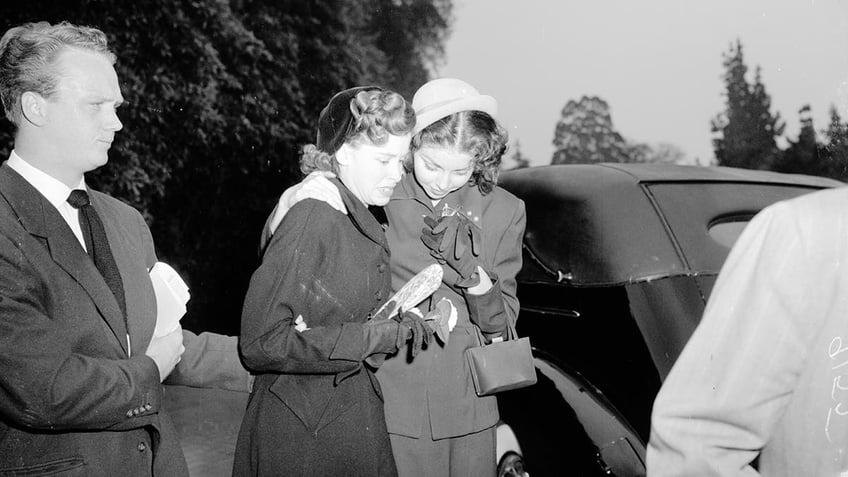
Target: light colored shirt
54 190
765 375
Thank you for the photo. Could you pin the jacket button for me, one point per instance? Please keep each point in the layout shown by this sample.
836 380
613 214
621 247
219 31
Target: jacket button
378 295
142 447
381 268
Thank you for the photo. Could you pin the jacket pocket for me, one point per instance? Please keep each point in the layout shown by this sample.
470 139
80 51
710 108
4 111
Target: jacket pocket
67 467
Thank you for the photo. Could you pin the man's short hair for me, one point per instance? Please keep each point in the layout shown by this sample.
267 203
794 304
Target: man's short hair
27 59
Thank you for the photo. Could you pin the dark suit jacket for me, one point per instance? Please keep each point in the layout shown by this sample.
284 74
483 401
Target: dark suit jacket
73 397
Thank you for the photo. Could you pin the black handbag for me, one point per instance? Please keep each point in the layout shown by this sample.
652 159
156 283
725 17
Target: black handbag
501 365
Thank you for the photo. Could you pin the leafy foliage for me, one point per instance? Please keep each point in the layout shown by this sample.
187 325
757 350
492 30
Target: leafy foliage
835 150
515 160
220 96
809 155
747 131
585 135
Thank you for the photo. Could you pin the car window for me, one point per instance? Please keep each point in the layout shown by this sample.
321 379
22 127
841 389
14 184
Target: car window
726 233
705 218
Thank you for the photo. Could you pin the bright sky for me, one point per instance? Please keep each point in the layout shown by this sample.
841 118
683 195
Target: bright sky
658 63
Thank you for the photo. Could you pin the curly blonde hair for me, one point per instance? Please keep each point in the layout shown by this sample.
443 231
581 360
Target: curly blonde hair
374 116
472 132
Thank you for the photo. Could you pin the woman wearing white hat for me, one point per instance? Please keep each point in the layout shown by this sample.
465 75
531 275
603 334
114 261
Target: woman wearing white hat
449 210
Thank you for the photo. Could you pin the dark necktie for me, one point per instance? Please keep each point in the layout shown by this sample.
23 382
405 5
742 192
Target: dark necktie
98 245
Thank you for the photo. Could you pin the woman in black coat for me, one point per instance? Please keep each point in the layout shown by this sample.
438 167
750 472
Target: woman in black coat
316 408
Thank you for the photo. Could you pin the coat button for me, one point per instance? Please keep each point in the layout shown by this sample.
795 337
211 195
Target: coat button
378 295
142 447
381 268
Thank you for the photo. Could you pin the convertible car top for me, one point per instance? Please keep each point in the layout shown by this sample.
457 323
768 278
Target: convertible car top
637 222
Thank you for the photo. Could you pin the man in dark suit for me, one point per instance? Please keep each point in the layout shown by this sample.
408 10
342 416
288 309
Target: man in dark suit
80 369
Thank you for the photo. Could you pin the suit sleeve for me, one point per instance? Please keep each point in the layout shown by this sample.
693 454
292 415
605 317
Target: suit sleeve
44 383
736 374
210 360
492 309
299 253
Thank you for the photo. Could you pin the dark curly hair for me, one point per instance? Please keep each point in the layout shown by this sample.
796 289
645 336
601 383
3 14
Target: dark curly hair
475 133
376 114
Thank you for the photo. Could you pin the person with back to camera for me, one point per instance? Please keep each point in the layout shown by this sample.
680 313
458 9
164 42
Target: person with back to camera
448 204
761 387
316 408
81 370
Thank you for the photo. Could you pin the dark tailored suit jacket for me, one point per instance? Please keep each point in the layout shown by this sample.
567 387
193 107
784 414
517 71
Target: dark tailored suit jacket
72 400
315 410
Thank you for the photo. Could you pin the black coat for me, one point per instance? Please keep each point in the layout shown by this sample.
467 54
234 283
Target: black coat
315 409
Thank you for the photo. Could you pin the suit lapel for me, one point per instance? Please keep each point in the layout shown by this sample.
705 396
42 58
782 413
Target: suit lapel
38 216
132 265
361 217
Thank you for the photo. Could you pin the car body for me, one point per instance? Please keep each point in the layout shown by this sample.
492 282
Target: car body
619 261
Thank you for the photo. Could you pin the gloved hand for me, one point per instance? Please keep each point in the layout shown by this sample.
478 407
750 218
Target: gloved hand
454 240
417 331
383 336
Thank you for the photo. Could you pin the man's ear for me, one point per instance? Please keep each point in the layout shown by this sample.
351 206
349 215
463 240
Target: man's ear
34 108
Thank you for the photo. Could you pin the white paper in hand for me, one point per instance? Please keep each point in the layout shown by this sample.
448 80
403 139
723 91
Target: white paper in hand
171 298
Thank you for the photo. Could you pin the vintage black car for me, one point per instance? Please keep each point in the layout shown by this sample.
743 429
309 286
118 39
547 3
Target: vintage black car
619 260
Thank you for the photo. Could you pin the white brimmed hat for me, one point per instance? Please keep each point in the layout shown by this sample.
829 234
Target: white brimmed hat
442 97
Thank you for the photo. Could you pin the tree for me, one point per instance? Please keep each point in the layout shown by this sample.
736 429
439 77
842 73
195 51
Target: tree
411 35
665 153
746 131
585 134
802 156
836 148
516 160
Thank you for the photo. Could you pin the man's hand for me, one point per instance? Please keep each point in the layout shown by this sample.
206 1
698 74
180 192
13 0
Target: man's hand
166 351
314 186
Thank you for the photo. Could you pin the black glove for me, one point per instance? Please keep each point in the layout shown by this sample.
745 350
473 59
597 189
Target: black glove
383 336
454 240
417 331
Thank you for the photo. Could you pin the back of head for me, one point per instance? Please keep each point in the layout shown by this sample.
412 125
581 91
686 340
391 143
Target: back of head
356 115
27 59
